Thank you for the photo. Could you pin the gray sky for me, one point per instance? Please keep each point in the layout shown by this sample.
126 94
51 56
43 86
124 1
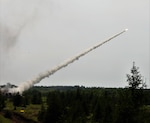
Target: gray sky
36 35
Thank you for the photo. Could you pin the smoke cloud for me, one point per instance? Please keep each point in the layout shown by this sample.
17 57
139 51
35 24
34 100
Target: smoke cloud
26 85
15 16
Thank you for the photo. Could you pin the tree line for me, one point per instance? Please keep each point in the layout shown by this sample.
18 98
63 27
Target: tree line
89 105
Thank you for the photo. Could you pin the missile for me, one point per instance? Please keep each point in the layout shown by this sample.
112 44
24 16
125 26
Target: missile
26 85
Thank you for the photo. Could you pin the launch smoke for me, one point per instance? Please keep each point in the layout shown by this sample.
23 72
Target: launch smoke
26 85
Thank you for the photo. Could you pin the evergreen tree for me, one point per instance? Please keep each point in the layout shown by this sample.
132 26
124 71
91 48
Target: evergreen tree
135 79
54 109
36 97
2 101
17 100
41 114
135 91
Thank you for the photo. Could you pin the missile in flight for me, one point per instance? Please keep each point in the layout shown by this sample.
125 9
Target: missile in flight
28 84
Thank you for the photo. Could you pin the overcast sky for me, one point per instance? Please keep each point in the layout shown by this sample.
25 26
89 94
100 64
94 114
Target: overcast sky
36 35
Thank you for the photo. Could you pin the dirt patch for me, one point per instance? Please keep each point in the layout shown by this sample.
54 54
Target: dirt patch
15 117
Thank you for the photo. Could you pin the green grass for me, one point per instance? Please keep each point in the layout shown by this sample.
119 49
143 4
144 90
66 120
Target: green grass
30 112
9 105
4 120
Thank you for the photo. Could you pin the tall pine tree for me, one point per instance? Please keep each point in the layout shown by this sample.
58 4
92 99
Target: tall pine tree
135 80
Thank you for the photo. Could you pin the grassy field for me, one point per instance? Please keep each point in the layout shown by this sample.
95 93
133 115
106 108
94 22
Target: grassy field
30 111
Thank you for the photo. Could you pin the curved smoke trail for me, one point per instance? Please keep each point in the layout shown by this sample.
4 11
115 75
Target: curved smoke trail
26 85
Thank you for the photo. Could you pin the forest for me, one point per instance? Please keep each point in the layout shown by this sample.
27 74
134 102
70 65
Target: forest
79 104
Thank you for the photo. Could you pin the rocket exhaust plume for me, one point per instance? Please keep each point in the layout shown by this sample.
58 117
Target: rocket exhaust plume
26 85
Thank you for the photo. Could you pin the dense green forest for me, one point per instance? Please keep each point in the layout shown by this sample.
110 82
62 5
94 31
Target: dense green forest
83 105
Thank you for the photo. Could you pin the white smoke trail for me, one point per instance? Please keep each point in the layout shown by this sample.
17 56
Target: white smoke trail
26 85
